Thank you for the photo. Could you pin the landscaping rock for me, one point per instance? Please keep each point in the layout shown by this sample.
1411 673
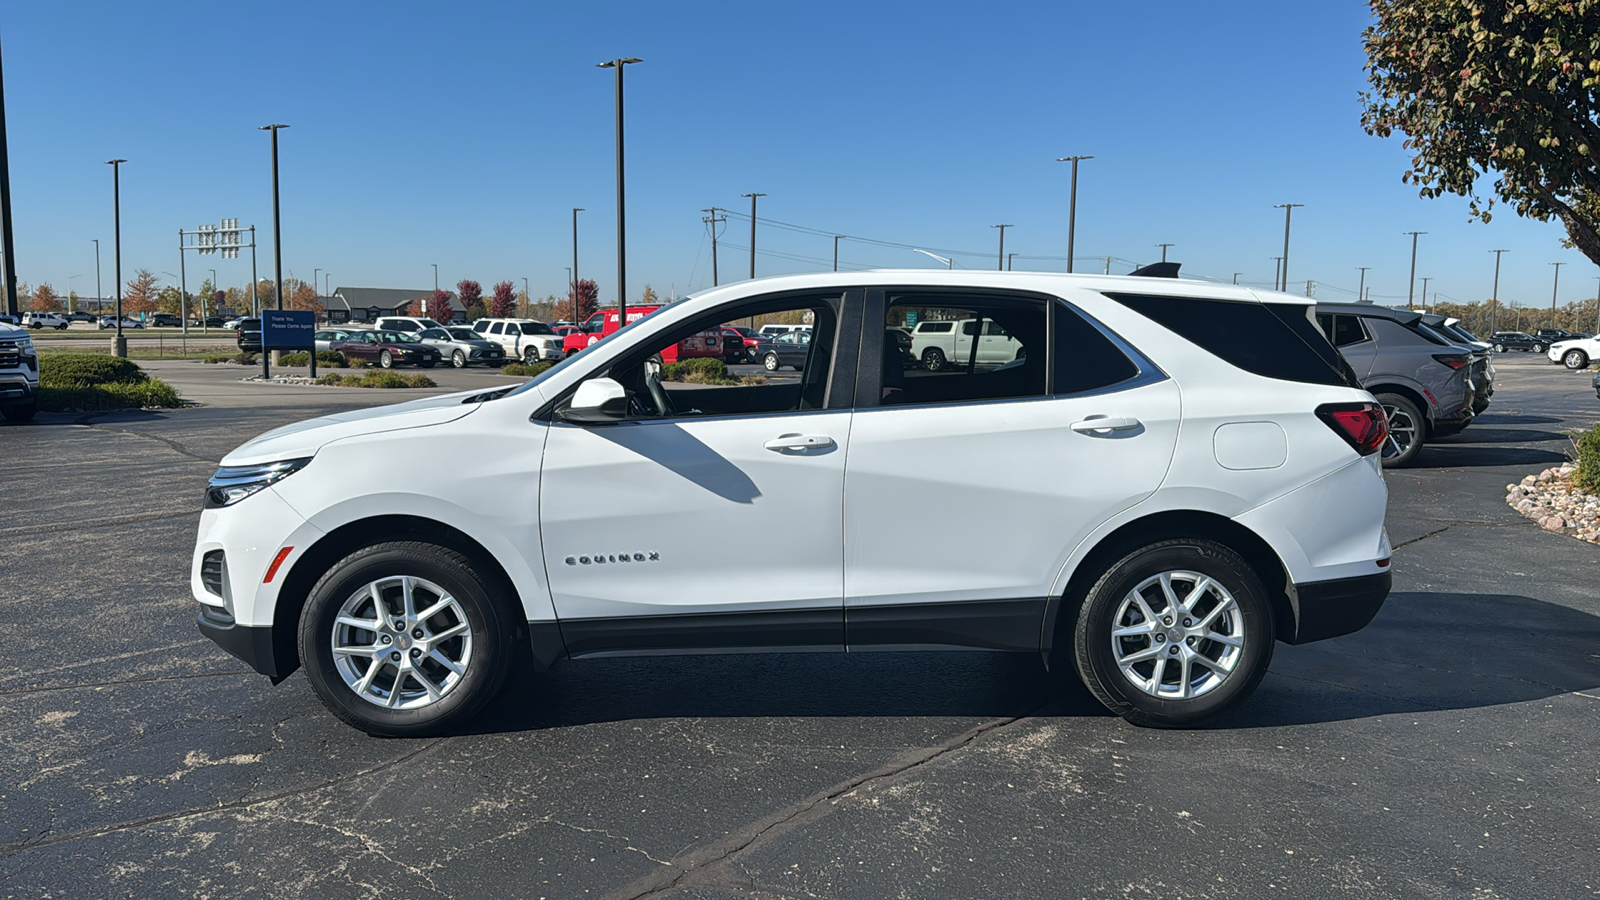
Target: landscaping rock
1553 500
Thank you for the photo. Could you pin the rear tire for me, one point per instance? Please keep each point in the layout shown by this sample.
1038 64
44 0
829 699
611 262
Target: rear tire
1406 429
1136 655
771 363
416 694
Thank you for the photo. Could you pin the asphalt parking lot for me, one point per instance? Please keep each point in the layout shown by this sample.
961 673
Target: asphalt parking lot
1448 750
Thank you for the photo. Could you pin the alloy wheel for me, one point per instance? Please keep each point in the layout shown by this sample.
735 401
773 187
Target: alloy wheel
401 642
1402 432
1178 635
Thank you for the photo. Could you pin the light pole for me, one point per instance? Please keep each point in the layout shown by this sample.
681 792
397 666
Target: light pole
8 275
1288 209
948 263
1000 263
1425 280
1009 257
752 232
1277 271
622 229
1553 289
119 344
316 275
435 275
836 251
1164 250
1361 289
99 297
1494 299
1072 204
214 288
572 279
1411 283
1236 277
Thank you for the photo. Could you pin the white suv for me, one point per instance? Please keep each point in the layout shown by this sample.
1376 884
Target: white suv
1170 478
45 320
525 339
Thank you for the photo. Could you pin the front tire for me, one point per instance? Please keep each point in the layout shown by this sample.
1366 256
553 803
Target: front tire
1406 428
1538 348
458 359
386 359
933 359
19 412
1174 633
1499 348
1575 359
529 356
404 640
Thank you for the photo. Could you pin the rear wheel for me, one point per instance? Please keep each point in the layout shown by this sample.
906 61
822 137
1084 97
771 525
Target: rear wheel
1538 348
1405 430
1575 359
771 362
1174 633
403 640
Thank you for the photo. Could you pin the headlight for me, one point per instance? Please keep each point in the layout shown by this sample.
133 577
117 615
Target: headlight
234 483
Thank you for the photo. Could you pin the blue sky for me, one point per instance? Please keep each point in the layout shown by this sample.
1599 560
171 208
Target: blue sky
462 134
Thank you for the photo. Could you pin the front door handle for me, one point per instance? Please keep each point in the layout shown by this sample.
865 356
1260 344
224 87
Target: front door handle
799 442
1103 424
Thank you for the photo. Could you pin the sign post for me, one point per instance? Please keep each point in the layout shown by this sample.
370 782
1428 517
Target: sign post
288 329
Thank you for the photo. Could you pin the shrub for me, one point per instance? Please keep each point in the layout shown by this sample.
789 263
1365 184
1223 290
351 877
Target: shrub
151 392
706 367
241 358
1588 447
71 370
538 368
356 362
379 379
302 358
330 358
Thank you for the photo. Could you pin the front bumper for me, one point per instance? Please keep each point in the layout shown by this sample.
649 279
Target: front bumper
253 644
16 387
1328 609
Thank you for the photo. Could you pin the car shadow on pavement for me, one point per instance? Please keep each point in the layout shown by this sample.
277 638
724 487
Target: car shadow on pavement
1490 435
1473 456
1427 652
1515 419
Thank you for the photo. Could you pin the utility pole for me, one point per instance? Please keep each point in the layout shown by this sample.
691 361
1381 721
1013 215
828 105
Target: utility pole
1164 250
1108 265
8 246
1411 283
1277 272
1072 209
622 230
1288 209
752 232
99 295
1361 290
573 287
119 344
1553 289
1425 280
712 220
1009 257
1236 277
1494 300
1000 263
836 251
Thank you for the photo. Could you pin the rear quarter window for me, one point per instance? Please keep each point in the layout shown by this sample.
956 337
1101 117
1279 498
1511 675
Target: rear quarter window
1274 340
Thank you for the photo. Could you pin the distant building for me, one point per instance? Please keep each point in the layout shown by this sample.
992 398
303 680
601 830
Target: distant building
362 304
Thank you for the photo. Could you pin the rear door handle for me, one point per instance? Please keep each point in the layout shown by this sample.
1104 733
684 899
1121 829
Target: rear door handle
799 442
1102 424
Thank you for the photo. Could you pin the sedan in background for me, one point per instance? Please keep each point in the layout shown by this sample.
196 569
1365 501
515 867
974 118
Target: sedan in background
463 347
787 349
327 337
111 322
387 349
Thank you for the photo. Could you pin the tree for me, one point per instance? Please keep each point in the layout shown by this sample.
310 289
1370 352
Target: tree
469 291
170 300
266 294
305 297
583 298
45 298
141 295
505 300
437 306
1508 86
412 307
650 298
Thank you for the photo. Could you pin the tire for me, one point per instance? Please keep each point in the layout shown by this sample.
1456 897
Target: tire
771 363
61 327
18 413
428 364
359 688
933 359
1575 360
1406 430
529 356
1499 348
1538 348
458 359
386 359
1132 673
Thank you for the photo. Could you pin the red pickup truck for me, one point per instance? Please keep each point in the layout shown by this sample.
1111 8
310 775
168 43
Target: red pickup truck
606 322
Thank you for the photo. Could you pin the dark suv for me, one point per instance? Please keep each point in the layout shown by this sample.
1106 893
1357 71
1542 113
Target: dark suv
1515 340
248 335
1424 384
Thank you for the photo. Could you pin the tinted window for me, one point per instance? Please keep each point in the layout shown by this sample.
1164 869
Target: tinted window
947 365
433 334
536 328
1275 340
481 325
1342 330
463 334
1084 358
497 328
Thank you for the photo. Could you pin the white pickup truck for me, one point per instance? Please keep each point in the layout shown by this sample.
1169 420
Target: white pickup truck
949 343
19 374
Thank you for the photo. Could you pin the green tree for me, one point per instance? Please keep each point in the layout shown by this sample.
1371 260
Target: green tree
1504 86
170 300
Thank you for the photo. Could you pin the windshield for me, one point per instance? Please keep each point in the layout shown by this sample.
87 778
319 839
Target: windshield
396 337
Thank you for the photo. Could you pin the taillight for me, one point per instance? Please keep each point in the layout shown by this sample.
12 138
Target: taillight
1363 425
1453 361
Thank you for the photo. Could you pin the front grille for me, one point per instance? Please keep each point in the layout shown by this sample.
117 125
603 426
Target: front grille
10 357
212 571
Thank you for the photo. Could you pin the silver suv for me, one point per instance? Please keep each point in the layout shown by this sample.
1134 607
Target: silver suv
1424 383
19 374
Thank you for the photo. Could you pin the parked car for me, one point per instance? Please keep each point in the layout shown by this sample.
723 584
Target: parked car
1482 373
233 323
526 339
7 319
1551 335
1154 480
387 349
1574 353
247 334
947 343
787 349
1424 386
37 320
463 347
164 320
773 331
19 374
755 343
327 337
111 322
1515 340
207 322
80 317
606 322
407 324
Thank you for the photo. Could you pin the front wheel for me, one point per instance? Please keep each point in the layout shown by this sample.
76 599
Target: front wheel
529 356
1575 359
19 412
1499 348
933 359
386 359
1405 430
1174 633
1538 348
458 359
404 640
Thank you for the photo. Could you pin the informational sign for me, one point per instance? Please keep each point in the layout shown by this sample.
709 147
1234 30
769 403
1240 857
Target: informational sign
288 329
911 318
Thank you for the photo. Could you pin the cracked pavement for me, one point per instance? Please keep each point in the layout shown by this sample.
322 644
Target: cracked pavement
1447 750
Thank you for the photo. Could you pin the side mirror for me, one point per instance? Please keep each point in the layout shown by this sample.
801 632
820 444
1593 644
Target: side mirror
598 401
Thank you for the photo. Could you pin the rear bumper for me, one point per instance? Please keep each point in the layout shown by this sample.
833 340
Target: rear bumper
1328 609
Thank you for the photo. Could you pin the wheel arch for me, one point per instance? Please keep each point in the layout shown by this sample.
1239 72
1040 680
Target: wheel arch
1410 393
1061 609
354 535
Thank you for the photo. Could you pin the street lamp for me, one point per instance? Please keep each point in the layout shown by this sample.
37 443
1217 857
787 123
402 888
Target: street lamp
948 263
622 228
99 296
1411 283
1288 209
572 274
1072 205
1164 250
277 232
119 344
